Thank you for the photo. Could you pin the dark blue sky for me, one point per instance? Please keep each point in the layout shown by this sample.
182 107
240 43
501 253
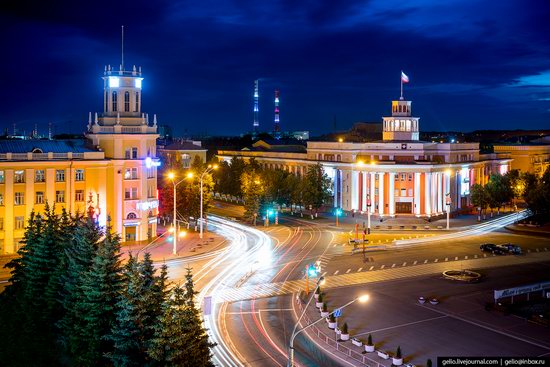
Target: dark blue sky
472 64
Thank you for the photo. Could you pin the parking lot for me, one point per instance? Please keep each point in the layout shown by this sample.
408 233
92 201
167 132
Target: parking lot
458 326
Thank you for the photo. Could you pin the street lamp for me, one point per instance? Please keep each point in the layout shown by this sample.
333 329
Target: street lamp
208 169
363 299
172 176
338 213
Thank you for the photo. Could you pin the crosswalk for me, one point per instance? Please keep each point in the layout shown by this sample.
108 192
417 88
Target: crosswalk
369 276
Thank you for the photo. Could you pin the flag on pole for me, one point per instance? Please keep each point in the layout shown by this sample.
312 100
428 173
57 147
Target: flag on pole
404 77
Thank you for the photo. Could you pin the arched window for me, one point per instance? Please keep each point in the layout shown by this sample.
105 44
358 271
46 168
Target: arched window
131 216
37 150
106 102
115 101
126 101
136 108
186 160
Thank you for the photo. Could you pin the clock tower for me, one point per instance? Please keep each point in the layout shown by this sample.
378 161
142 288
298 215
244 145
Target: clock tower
401 126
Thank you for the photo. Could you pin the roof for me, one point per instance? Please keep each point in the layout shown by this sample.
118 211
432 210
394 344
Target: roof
45 146
186 145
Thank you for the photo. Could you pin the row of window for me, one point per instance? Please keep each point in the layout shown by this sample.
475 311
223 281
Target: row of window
39 197
131 193
40 175
114 101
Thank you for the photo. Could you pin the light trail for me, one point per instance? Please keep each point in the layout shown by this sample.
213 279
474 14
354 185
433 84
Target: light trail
476 230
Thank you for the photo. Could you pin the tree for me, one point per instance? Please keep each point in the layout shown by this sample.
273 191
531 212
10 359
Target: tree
316 190
498 191
253 191
479 199
97 308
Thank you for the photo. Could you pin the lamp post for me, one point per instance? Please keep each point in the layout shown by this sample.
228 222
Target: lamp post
448 202
210 168
364 298
172 176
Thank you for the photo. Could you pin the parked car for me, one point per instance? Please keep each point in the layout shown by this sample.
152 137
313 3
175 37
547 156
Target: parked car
511 248
491 247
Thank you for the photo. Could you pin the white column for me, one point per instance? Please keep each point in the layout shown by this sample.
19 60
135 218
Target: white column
372 184
417 193
447 190
438 191
335 188
364 192
458 186
433 187
381 193
354 190
428 193
441 191
392 194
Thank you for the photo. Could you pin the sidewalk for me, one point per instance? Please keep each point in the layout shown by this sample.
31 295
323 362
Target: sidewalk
191 245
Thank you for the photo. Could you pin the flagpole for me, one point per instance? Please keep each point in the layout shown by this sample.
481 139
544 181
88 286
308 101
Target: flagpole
401 78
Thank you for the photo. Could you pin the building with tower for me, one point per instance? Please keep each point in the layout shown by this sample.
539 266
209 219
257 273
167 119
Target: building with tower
111 174
398 175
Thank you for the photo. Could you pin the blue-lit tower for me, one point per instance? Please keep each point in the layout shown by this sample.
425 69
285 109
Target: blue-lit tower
277 127
256 105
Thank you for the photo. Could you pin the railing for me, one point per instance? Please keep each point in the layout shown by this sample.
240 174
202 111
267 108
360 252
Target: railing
332 342
45 156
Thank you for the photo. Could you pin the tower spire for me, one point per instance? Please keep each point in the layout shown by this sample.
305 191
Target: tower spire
276 127
256 106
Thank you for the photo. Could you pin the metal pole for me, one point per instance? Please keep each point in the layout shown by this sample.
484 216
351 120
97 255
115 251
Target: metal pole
368 220
201 206
174 234
448 212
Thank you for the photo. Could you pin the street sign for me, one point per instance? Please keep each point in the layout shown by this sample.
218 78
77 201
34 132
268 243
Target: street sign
338 312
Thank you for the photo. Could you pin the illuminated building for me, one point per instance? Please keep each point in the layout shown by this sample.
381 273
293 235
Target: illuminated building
111 174
276 125
398 175
256 123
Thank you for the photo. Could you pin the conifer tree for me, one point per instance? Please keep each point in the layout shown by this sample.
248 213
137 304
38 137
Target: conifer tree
97 308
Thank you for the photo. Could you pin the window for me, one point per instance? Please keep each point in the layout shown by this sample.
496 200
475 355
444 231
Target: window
19 177
60 175
2 177
1 199
403 176
403 192
127 154
134 153
131 216
39 175
410 192
19 222
115 101
60 196
39 197
136 108
410 177
126 101
396 177
186 160
376 191
79 195
79 175
19 198
130 193
150 172
150 191
131 174
1 224
396 192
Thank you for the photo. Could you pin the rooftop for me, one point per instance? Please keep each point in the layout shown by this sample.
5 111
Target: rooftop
45 146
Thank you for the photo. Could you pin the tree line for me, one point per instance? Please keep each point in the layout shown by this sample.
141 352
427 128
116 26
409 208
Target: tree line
262 188
72 302
514 185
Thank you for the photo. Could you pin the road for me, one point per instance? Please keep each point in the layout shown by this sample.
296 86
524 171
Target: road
257 329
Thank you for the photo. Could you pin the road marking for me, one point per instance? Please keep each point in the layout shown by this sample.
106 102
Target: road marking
325 273
336 272
358 270
372 267
383 266
426 261
393 266
404 264
407 324
414 263
436 260
446 259
348 271
466 257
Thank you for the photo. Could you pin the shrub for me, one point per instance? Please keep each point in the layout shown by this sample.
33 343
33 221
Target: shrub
369 340
324 307
320 299
318 290
429 363
345 328
398 352
332 318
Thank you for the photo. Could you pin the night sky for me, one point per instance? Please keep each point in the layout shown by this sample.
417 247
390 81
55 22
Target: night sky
471 64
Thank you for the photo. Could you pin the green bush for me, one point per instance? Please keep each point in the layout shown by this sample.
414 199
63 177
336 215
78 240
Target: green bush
398 352
369 340
324 307
345 328
429 363
332 318
320 299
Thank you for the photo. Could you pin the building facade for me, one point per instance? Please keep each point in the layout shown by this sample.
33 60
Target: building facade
533 157
181 154
111 173
399 175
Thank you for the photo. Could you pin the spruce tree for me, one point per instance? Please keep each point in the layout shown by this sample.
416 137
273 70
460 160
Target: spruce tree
97 308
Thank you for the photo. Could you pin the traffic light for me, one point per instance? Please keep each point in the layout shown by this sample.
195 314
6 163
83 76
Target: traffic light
338 211
311 271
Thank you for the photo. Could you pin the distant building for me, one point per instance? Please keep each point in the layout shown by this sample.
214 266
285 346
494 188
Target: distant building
399 175
110 175
181 154
533 157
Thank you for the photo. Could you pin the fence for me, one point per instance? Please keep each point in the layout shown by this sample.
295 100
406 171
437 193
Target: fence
332 342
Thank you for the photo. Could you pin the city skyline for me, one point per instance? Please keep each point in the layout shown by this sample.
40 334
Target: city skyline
471 66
